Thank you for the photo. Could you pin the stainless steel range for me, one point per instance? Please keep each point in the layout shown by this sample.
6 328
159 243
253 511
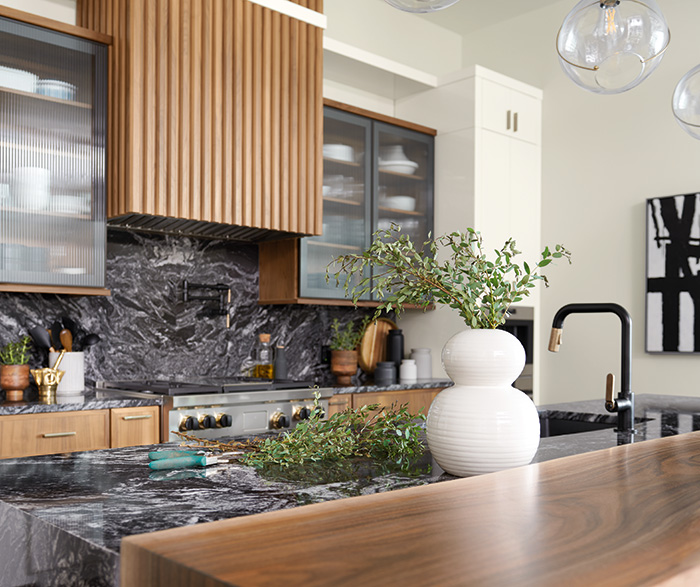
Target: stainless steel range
218 407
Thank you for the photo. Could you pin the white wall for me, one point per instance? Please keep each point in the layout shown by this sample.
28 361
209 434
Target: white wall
63 10
373 25
603 156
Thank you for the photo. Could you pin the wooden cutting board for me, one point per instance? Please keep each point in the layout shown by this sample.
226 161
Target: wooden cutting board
373 344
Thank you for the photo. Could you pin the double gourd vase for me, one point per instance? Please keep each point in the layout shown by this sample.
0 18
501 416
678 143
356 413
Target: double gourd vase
482 424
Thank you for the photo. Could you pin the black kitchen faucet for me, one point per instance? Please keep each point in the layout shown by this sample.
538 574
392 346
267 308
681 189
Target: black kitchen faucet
624 403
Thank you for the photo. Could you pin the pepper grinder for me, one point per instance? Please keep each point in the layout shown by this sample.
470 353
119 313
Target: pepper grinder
394 347
280 363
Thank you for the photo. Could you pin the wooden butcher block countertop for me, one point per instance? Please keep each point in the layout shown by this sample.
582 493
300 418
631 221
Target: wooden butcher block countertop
628 515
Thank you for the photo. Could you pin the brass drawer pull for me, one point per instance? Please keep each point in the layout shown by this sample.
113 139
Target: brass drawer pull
139 417
58 434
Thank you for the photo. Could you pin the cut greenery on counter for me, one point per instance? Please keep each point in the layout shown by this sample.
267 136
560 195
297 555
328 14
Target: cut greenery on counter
382 434
481 290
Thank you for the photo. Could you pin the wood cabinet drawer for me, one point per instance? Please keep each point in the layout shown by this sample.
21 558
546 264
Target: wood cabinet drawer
339 403
417 399
134 426
40 434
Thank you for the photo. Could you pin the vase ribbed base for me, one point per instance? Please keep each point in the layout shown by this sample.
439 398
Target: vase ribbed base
475 430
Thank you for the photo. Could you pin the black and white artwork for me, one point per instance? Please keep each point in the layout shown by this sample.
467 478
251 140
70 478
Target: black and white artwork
673 274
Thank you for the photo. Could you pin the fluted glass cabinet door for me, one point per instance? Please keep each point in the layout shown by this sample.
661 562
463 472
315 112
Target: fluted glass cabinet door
53 108
403 180
347 161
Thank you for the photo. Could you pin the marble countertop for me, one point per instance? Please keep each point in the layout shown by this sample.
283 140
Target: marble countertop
86 401
419 384
62 516
91 401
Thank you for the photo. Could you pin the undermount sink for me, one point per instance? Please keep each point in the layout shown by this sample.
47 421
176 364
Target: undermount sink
558 424
553 426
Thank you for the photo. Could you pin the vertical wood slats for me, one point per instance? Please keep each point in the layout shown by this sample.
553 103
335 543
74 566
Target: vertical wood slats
216 111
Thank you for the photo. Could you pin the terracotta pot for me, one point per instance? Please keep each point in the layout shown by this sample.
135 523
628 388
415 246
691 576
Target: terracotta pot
14 379
344 366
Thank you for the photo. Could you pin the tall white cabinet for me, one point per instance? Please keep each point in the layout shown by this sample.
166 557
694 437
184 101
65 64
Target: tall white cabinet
487 176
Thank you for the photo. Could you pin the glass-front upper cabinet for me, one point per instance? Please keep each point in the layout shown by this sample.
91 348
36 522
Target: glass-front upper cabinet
53 112
374 174
404 181
347 200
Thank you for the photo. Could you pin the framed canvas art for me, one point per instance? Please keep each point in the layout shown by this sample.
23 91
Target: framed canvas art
673 274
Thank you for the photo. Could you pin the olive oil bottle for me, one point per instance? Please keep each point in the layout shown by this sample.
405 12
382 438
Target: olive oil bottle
264 358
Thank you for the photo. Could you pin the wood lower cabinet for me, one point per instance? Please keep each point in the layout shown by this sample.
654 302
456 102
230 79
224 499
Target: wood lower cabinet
26 435
339 403
417 399
134 426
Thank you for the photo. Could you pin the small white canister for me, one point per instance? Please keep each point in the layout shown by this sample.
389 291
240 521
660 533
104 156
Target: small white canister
73 382
407 372
424 362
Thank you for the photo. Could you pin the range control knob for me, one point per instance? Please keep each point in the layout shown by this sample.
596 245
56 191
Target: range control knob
279 420
188 423
302 413
224 421
207 421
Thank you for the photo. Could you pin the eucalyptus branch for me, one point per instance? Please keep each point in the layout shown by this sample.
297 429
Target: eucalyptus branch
481 290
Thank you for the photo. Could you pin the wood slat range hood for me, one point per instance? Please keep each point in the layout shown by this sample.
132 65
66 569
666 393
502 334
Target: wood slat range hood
216 116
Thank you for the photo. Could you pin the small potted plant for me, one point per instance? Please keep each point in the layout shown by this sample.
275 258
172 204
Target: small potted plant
344 341
14 368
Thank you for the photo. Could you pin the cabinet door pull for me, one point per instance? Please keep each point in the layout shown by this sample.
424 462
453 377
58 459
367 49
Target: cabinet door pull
508 120
515 122
58 434
138 417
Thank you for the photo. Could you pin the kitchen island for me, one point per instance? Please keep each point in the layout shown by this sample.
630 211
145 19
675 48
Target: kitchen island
63 517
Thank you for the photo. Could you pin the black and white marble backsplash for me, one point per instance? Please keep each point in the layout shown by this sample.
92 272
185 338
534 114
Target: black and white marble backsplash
148 331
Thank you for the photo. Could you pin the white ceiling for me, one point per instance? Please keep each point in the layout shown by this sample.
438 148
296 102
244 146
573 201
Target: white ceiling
469 15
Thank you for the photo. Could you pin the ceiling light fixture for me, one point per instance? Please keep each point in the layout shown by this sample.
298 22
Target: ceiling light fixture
611 46
686 102
421 5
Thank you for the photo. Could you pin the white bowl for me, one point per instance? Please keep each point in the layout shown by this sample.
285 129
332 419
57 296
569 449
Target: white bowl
407 167
339 152
55 89
392 153
407 203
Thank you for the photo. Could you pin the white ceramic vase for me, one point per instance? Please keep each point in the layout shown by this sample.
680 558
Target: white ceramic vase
482 424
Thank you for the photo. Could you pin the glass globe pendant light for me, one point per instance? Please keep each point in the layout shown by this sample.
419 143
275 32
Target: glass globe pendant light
421 5
611 46
686 102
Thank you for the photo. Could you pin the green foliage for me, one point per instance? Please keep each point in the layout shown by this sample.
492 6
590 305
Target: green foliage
391 434
16 353
481 290
346 338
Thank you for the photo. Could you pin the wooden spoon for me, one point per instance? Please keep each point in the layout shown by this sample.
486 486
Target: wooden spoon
67 340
